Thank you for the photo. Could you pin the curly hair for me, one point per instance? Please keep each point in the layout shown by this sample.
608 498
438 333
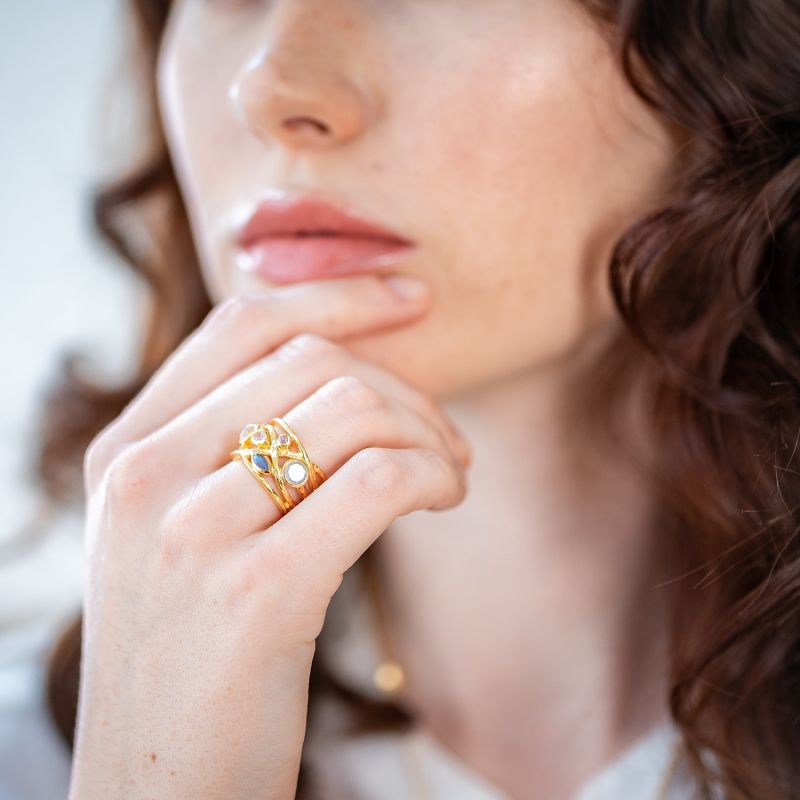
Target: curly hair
707 287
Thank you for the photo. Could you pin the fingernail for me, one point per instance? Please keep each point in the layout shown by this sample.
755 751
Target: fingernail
406 287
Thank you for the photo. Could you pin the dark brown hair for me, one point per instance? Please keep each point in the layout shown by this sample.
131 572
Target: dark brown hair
708 289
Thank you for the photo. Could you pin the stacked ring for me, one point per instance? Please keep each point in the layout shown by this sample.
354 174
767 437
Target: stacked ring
275 456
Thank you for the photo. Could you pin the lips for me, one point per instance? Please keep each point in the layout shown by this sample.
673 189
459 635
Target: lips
293 239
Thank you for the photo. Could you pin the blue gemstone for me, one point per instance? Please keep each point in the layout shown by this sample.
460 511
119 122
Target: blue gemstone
261 462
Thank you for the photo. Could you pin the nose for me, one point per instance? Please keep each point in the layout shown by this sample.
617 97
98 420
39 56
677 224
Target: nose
301 87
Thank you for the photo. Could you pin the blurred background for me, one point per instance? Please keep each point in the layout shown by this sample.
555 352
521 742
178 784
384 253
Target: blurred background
62 82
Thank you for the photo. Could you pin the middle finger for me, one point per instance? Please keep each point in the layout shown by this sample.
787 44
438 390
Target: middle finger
273 386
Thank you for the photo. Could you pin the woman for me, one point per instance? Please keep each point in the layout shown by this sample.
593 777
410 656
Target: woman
587 366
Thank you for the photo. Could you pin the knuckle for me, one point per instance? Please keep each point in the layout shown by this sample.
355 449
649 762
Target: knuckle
445 464
350 394
451 436
100 452
451 478
461 477
96 458
379 472
307 345
131 471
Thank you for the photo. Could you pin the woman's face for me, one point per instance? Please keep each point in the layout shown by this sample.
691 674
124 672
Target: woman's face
499 135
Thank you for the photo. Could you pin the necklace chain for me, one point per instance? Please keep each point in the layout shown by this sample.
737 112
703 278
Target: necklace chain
389 677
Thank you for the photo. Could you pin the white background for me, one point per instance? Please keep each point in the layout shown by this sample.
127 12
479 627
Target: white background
59 66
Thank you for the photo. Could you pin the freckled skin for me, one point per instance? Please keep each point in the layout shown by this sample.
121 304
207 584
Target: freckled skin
500 136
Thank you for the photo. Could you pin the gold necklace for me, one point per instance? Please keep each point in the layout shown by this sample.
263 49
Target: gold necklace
389 677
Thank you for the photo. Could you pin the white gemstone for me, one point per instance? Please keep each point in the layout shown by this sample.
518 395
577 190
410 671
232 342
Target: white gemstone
259 437
247 431
295 473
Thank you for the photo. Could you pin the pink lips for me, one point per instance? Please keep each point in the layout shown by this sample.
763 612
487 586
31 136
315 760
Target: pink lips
289 240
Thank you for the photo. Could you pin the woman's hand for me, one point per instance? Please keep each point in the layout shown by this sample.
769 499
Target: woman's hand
203 603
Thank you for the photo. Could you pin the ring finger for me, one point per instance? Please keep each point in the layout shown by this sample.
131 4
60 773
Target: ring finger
340 418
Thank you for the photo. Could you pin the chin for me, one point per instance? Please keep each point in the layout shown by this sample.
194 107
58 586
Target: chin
400 351
437 371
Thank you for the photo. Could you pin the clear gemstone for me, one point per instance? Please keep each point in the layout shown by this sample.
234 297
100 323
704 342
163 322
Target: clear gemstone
259 437
295 473
247 431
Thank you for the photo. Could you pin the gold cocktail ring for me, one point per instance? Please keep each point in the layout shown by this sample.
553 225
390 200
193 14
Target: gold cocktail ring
275 456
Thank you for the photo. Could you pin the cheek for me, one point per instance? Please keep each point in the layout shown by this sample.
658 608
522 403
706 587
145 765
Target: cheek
198 136
200 131
528 201
536 171
538 163
519 189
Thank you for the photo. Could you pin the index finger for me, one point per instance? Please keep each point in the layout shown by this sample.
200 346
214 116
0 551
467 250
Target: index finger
244 328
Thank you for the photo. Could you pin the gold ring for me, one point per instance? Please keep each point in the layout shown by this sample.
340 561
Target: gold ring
275 456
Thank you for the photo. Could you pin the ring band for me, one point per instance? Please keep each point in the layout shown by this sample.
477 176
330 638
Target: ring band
278 461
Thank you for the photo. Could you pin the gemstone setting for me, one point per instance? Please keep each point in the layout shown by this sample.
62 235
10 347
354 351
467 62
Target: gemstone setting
260 462
295 473
247 432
